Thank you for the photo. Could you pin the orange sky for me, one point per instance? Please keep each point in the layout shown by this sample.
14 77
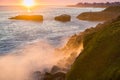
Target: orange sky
51 2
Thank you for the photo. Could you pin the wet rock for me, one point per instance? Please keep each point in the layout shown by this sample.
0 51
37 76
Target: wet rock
48 76
59 76
28 17
55 76
63 18
55 69
37 75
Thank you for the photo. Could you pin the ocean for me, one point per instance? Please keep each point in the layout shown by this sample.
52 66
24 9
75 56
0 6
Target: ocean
27 46
14 33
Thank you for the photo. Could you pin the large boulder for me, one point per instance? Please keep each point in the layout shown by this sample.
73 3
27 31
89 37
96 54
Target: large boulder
28 17
63 18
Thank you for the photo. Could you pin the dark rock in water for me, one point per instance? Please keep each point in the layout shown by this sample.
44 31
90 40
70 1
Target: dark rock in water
28 17
59 76
55 69
37 75
48 76
55 76
63 18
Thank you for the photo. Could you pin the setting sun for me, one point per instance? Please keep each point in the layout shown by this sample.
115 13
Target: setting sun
29 3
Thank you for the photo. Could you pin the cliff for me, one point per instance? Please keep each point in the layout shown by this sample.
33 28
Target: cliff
100 59
107 14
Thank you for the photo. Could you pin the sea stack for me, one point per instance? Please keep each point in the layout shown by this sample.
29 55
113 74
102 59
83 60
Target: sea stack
63 18
37 18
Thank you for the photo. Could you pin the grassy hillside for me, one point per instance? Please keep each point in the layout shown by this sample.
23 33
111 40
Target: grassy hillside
100 59
112 9
107 14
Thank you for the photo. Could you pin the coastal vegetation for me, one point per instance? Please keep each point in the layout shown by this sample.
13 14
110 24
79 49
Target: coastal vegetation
100 58
107 14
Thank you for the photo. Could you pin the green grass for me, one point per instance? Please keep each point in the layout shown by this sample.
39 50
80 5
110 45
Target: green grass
100 59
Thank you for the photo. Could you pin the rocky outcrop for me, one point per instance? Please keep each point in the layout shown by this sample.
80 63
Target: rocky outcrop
107 14
37 75
63 18
55 76
60 75
55 69
37 18
56 73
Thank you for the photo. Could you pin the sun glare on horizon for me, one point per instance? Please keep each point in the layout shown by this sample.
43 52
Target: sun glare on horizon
28 3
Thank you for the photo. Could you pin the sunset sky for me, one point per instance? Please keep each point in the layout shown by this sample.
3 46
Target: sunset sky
51 2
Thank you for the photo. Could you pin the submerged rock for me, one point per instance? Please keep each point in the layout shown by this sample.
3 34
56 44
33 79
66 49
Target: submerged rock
63 18
28 17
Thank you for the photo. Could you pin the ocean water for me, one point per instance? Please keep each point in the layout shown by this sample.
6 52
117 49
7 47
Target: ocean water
14 33
27 47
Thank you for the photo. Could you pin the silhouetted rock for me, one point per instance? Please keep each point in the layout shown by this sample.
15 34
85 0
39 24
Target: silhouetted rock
55 69
63 18
59 76
48 76
55 76
28 17
37 75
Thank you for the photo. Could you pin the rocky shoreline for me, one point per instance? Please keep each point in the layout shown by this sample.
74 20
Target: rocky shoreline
99 60
107 14
58 73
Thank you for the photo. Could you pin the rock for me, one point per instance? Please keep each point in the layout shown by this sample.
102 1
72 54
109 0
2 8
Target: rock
59 76
55 69
48 76
63 18
37 75
55 76
28 17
